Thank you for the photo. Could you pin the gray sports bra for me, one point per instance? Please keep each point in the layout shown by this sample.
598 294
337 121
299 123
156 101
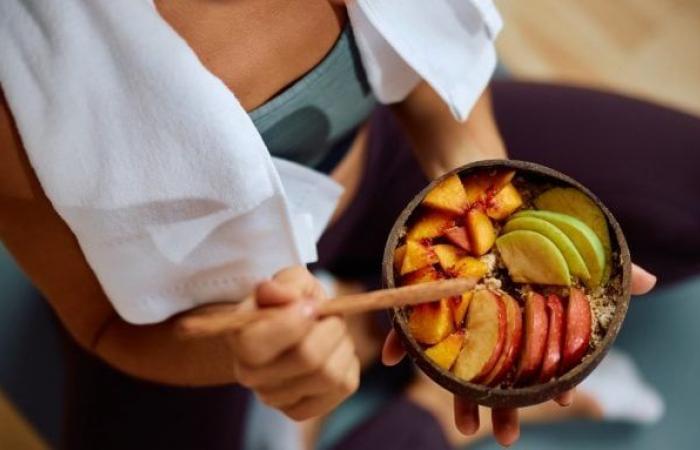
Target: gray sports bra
313 121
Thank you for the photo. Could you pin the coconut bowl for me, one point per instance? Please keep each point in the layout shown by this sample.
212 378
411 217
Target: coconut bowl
499 397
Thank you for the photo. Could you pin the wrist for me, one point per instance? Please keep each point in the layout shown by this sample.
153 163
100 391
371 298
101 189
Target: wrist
446 156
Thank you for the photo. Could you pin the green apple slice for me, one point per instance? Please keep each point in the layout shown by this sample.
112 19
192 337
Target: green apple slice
532 258
586 241
573 258
575 203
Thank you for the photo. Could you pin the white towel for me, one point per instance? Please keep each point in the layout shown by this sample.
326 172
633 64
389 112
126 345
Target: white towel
158 170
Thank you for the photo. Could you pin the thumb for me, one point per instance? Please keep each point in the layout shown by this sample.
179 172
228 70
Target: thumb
274 293
392 352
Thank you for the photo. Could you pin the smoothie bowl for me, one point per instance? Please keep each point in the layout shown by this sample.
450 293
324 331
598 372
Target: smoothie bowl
553 272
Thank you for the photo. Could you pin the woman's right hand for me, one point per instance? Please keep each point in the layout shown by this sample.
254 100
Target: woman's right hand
506 426
294 362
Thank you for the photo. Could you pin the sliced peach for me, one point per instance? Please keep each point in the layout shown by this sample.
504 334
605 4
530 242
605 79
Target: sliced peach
468 267
448 255
448 195
460 306
458 236
504 203
552 354
431 224
445 352
485 336
418 255
480 186
511 348
399 254
481 232
423 275
535 337
430 323
578 329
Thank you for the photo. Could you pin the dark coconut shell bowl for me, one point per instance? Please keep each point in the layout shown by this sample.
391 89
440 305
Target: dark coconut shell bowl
513 395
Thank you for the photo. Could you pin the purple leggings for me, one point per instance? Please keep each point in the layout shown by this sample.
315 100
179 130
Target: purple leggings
640 159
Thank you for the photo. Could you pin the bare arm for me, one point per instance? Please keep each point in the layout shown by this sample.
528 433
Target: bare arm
442 143
48 252
314 360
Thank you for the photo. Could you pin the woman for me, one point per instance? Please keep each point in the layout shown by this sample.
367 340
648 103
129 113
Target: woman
293 362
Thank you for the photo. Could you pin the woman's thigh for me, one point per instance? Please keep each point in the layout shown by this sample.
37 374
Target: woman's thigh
106 410
641 159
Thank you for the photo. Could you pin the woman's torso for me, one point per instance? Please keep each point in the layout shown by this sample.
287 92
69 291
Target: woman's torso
256 47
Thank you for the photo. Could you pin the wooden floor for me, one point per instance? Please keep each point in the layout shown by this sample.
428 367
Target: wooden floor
647 48
15 432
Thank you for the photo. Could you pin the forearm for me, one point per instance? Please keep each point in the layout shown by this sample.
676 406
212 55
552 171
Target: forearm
440 141
161 353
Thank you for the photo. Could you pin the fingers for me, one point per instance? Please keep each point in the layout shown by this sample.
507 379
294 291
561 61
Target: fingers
642 281
466 416
565 399
289 285
329 376
262 341
314 406
306 357
392 352
506 426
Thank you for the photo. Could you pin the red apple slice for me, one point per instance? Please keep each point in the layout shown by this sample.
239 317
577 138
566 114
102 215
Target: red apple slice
430 323
417 256
552 355
458 236
448 196
535 338
578 329
511 348
485 336
480 230
445 352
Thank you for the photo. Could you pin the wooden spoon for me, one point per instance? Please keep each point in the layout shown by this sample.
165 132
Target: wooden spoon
228 317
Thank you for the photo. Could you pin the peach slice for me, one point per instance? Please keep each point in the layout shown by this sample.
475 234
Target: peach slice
578 329
448 195
430 323
458 236
445 352
511 348
399 254
469 267
422 276
552 355
418 255
535 337
460 306
432 224
485 336
480 231
504 203
448 255
481 186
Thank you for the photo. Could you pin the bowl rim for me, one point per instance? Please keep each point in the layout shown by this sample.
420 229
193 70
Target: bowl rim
522 396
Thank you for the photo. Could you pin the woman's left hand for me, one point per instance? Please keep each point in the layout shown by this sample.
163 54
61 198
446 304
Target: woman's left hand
506 426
